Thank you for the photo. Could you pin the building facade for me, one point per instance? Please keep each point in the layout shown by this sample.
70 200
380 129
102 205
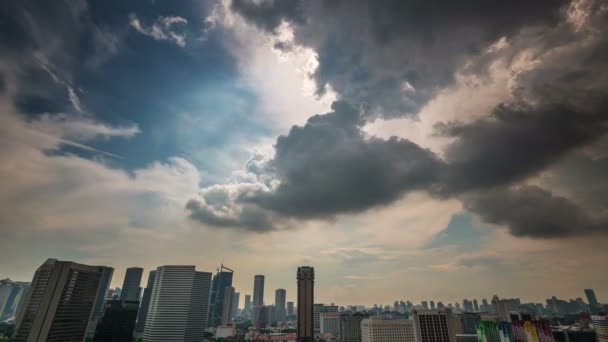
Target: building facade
59 305
350 327
434 325
306 295
221 280
98 307
600 325
142 314
117 322
376 329
279 305
330 324
179 305
131 289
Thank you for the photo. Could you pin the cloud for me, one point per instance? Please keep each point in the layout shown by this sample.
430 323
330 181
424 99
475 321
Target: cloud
162 29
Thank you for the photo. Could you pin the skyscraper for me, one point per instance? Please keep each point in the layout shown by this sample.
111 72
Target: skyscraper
222 278
12 297
434 325
376 329
330 324
142 314
502 307
594 305
59 305
258 296
247 307
179 305
227 302
350 327
279 304
131 285
98 307
306 283
290 311
235 304
117 322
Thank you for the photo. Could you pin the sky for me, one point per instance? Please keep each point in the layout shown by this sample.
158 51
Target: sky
406 150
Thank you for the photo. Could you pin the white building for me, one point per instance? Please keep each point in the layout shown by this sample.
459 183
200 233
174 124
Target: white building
376 329
434 325
179 304
330 323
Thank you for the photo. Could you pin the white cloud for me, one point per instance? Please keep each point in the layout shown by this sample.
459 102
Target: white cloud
162 29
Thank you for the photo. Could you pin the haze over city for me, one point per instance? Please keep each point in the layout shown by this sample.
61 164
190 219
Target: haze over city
408 150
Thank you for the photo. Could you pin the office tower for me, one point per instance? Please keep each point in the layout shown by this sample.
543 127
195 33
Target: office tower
142 314
350 327
330 323
131 289
319 309
594 305
475 305
279 304
235 304
98 307
376 329
59 304
485 307
12 297
532 331
263 317
117 321
222 278
290 309
440 306
272 315
179 305
247 307
502 307
434 325
306 297
425 304
227 302
600 325
258 296
432 305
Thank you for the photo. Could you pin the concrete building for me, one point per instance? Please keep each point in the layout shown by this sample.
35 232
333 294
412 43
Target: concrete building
247 307
222 278
227 302
306 296
279 305
59 305
318 309
142 314
12 297
98 307
350 327
290 309
502 307
600 325
179 305
235 305
434 325
131 286
594 305
376 329
330 324
258 296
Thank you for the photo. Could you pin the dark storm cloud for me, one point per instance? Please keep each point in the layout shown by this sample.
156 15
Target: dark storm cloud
392 56
534 212
328 166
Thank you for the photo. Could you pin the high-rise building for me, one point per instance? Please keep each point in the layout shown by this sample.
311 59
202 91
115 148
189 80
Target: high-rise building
475 305
468 322
142 314
247 307
376 329
59 304
330 324
98 307
179 305
594 305
600 325
531 331
490 331
279 304
117 321
432 303
131 289
318 309
350 327
502 307
290 311
235 304
434 325
222 278
258 296
306 297
12 297
227 302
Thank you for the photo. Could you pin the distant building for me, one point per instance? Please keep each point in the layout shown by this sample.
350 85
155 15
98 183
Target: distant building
434 325
12 297
258 296
247 307
468 322
502 307
117 321
279 304
235 305
290 309
221 279
350 327
330 324
227 302
600 325
59 305
594 305
305 324
387 330
490 331
467 338
142 314
318 309
131 289
178 305
98 307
